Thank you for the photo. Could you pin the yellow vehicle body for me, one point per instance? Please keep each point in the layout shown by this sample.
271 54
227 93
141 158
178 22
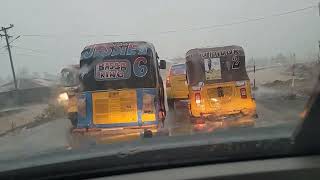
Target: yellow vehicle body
176 86
218 83
72 106
69 83
118 107
69 100
114 107
230 103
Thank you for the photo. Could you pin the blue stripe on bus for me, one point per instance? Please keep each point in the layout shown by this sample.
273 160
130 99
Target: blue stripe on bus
139 104
85 122
81 119
150 123
153 91
89 108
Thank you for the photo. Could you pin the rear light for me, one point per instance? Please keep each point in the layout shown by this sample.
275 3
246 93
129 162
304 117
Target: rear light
198 98
243 93
200 121
168 84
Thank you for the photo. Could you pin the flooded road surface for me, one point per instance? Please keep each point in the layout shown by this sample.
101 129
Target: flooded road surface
273 107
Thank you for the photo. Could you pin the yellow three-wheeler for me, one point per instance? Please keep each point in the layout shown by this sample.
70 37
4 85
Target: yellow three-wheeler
176 87
218 84
69 82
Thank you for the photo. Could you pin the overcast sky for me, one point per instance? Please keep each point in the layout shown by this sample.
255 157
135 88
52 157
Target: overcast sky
62 28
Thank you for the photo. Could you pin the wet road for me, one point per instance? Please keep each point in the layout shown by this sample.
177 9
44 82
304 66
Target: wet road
272 107
40 139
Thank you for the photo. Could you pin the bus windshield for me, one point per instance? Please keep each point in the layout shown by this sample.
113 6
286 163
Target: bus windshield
179 69
68 78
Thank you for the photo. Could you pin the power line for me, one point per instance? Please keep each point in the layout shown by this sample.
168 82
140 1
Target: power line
38 55
186 29
23 54
40 52
14 39
245 21
28 49
10 42
3 47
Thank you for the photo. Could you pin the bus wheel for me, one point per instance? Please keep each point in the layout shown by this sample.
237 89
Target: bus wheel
170 103
147 133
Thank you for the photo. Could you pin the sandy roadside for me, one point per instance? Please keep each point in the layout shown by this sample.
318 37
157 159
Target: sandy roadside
27 115
269 75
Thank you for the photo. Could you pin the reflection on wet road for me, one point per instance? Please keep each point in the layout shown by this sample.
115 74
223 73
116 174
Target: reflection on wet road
273 109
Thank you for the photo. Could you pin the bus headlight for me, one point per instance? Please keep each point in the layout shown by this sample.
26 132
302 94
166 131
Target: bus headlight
63 97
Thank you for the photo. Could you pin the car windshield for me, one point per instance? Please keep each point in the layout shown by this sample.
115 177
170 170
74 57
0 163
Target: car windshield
103 75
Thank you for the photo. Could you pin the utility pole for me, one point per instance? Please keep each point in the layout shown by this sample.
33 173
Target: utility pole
319 41
292 94
319 53
4 29
319 8
293 69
